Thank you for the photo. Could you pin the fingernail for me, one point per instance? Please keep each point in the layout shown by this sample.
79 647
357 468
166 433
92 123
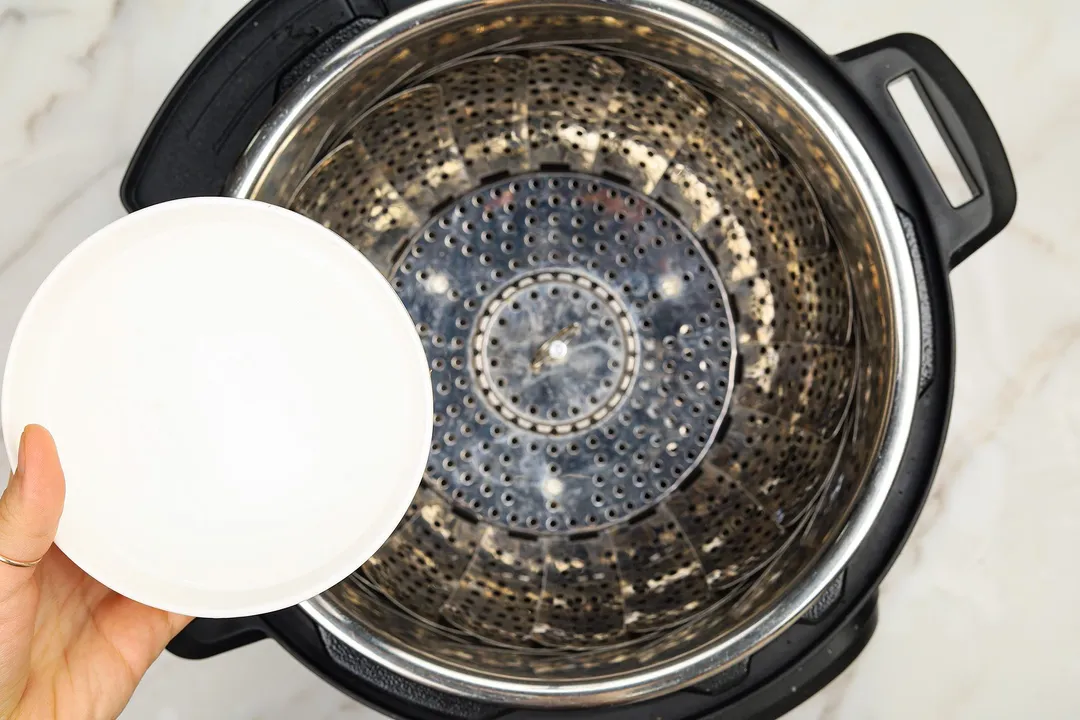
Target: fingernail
22 452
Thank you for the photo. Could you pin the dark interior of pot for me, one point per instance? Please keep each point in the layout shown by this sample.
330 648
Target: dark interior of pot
660 339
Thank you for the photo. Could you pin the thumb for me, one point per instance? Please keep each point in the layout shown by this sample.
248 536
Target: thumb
30 506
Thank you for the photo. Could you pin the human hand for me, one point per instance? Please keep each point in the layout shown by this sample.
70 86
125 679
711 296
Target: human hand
69 646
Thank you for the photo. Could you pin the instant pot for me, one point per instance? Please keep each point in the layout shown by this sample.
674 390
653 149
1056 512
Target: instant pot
681 280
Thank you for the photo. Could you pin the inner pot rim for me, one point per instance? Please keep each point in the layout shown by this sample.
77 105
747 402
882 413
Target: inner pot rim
707 29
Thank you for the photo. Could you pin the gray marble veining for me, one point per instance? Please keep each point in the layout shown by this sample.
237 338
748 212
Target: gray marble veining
975 619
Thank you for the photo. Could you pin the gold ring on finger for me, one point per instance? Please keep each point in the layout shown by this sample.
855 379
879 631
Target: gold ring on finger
18 563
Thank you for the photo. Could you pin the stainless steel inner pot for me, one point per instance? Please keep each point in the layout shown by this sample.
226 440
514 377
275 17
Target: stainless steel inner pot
672 327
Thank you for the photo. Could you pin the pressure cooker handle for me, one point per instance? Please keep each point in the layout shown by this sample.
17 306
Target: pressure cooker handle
209 118
204 638
964 125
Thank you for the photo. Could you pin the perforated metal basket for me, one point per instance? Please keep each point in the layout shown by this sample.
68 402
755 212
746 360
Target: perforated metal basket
669 330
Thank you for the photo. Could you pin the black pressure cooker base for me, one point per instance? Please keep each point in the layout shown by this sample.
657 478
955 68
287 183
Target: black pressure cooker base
209 119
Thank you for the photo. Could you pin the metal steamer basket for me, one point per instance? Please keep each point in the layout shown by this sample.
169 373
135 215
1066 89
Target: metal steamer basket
680 282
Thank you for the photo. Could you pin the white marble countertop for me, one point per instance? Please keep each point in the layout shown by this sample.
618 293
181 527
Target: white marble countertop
976 615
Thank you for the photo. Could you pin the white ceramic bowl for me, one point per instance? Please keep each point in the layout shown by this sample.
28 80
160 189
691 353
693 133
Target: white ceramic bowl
241 405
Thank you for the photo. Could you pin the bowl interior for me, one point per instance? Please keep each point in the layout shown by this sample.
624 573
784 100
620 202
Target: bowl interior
659 312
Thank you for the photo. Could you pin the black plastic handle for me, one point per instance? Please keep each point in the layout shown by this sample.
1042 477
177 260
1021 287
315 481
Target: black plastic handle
964 125
204 638
215 109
